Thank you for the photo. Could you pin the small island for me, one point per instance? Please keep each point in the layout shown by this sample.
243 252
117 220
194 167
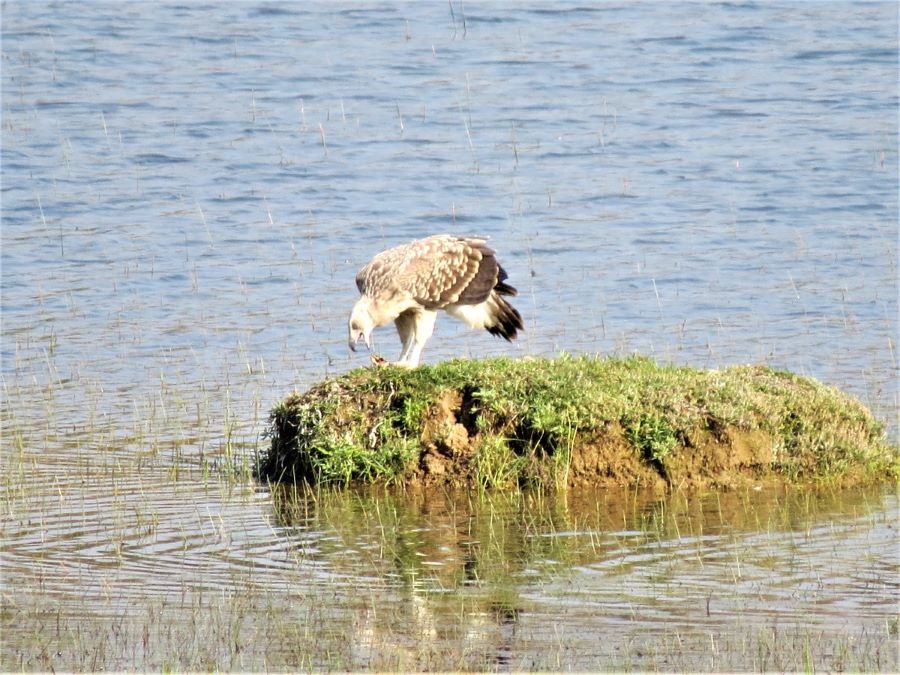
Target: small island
565 421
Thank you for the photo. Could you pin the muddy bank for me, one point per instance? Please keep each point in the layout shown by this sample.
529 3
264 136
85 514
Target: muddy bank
572 421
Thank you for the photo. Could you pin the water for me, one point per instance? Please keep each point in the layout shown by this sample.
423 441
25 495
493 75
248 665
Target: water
188 190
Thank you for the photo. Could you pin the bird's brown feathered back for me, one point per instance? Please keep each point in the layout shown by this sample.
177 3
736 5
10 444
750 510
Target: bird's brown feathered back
437 271
440 271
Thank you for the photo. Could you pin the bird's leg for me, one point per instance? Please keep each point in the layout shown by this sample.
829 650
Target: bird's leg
414 327
406 328
409 355
424 327
412 359
406 349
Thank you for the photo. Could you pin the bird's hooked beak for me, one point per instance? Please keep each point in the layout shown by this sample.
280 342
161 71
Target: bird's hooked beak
357 335
360 325
356 338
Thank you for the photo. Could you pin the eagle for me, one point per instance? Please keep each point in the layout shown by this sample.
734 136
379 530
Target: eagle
408 284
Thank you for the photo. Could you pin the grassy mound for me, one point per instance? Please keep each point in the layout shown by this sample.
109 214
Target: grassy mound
536 421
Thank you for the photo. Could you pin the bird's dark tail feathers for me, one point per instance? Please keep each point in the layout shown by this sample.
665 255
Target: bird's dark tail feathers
508 319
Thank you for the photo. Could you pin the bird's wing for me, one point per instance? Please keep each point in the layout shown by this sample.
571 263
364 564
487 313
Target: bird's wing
436 271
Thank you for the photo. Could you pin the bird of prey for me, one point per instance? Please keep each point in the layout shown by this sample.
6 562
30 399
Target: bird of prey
408 284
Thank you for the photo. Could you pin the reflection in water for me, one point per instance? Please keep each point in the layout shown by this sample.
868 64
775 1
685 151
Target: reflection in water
480 576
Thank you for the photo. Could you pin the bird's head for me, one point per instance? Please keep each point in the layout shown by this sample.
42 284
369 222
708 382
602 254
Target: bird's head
360 324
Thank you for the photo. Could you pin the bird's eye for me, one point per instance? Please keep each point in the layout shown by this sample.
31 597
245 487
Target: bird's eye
354 326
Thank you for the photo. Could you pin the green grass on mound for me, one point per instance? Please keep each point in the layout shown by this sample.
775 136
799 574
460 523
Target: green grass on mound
539 421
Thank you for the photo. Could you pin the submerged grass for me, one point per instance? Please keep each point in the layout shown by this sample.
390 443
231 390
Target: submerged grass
540 421
440 580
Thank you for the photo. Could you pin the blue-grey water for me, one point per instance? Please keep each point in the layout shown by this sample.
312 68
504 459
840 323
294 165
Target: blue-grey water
188 190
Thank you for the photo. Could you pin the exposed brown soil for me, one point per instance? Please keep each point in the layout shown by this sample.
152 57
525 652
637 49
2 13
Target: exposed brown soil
728 458
608 459
447 445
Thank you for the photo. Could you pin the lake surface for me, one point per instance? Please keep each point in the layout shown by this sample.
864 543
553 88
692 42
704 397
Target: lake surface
187 192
